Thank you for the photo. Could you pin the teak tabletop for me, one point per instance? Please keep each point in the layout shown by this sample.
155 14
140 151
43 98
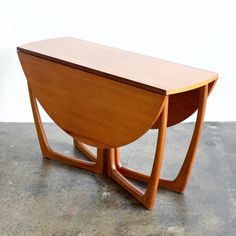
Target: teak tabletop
107 98
146 72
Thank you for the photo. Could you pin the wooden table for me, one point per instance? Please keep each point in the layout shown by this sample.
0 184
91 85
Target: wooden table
107 98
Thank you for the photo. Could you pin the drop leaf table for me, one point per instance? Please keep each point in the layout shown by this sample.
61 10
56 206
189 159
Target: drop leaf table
107 98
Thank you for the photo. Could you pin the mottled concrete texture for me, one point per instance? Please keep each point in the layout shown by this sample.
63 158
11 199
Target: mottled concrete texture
44 197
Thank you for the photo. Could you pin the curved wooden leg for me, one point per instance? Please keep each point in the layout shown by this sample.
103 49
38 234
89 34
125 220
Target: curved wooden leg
114 173
149 197
82 148
128 172
46 149
182 178
178 184
100 158
115 170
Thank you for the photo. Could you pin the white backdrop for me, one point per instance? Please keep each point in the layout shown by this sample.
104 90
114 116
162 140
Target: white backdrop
198 33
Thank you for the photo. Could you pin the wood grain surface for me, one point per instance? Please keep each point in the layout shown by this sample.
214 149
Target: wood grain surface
95 110
107 98
142 71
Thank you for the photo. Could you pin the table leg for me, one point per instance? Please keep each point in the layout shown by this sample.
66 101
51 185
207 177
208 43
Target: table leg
47 151
180 182
147 198
83 149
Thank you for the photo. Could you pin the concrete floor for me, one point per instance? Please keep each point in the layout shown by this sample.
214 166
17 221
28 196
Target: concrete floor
44 197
